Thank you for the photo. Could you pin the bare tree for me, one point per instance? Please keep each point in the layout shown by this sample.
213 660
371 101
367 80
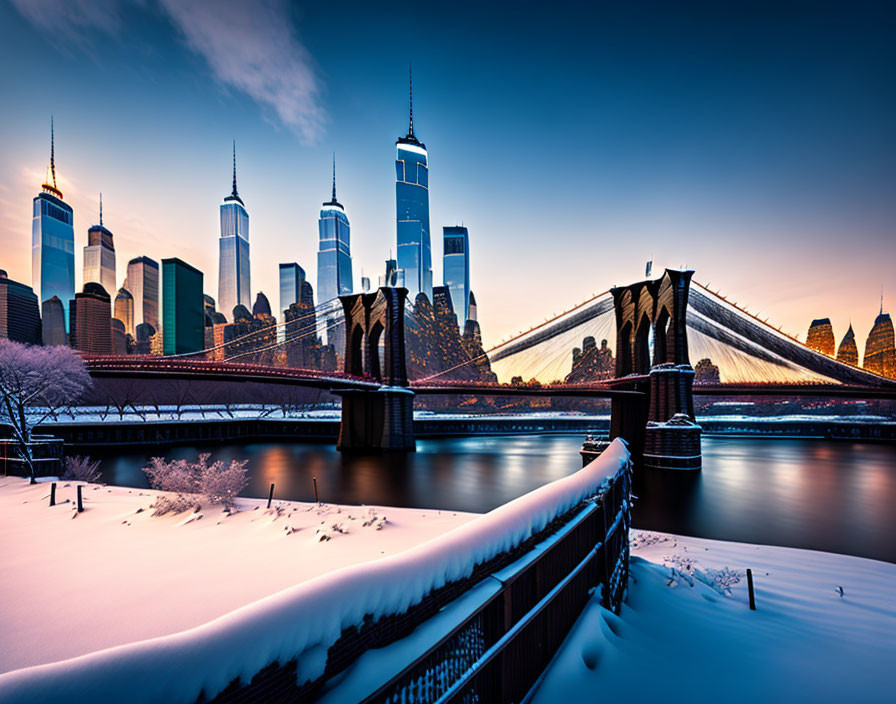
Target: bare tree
35 382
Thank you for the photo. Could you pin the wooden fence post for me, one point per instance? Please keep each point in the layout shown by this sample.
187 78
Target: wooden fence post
53 494
271 495
80 502
750 589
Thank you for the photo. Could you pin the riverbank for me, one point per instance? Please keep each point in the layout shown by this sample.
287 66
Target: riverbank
824 629
73 583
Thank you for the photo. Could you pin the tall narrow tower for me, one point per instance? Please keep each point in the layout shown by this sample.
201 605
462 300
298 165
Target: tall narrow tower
53 240
334 267
233 252
99 256
414 255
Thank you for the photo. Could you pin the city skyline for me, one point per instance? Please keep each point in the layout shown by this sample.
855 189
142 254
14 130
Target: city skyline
511 228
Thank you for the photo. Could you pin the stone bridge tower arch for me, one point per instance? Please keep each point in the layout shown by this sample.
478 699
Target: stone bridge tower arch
379 418
658 310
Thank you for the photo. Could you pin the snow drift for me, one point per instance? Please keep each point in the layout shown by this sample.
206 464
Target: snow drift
305 620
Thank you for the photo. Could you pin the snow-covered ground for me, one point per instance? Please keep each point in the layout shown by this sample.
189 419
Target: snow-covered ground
682 637
302 621
75 583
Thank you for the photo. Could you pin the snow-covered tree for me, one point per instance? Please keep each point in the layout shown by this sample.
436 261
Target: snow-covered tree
189 481
81 469
35 382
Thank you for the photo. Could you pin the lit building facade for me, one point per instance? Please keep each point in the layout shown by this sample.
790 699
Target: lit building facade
53 242
19 313
99 256
456 270
233 253
334 265
880 349
414 256
91 320
143 284
123 310
291 278
183 308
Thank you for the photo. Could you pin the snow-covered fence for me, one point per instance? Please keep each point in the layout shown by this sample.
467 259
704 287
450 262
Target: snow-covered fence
283 647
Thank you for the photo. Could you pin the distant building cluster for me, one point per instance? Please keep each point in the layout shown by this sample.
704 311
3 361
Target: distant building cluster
163 310
880 347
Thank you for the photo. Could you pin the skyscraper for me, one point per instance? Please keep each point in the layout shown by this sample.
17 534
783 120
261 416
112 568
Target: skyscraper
412 211
233 252
183 308
848 352
52 324
53 241
291 278
143 284
99 255
334 264
456 270
19 314
123 310
880 349
821 336
91 320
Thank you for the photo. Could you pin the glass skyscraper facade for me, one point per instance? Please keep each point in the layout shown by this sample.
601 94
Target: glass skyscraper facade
414 255
233 253
456 270
292 276
334 264
183 308
99 256
142 283
53 242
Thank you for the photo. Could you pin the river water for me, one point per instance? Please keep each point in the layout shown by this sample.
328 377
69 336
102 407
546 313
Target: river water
819 494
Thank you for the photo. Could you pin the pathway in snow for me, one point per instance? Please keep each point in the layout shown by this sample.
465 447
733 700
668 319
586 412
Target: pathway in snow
76 583
686 633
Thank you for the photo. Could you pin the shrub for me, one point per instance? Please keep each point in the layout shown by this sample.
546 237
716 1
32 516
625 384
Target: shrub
191 481
81 469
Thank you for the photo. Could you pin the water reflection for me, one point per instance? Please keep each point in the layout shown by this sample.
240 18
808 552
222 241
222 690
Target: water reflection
833 496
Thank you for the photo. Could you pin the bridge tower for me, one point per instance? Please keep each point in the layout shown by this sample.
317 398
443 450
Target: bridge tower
376 419
663 433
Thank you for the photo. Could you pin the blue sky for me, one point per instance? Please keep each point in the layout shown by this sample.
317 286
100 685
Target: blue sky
755 144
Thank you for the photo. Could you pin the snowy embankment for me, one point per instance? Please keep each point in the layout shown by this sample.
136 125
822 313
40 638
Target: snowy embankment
304 620
686 632
72 584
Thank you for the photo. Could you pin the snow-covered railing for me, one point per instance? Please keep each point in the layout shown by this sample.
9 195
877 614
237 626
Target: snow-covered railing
288 639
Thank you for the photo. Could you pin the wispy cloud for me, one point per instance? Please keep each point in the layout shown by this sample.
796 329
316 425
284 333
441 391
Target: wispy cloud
250 46
253 47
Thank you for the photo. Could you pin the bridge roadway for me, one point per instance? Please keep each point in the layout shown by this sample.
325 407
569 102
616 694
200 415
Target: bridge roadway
172 368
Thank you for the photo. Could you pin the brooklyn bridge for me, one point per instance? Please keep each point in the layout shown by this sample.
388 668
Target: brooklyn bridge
658 326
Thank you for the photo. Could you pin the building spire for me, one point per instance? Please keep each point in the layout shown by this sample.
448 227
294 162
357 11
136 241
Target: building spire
333 200
234 170
234 194
50 185
411 92
101 208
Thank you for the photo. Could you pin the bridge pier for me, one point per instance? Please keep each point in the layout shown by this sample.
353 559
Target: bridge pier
663 434
380 419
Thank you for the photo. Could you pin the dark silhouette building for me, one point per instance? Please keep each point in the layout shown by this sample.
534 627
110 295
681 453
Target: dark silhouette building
19 314
91 320
705 372
53 322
